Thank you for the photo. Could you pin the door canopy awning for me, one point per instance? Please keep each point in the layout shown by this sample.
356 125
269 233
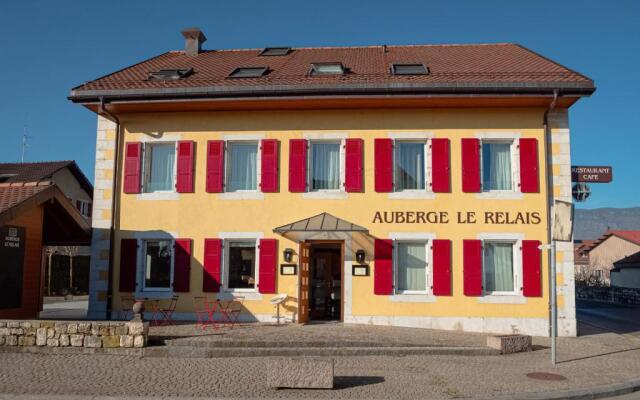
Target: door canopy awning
328 227
324 222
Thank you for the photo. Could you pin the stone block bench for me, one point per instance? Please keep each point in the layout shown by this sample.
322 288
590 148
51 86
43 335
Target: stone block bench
300 373
508 344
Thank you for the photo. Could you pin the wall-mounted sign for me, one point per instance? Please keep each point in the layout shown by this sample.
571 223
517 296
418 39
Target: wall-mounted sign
459 217
12 244
562 221
360 270
580 192
288 269
591 174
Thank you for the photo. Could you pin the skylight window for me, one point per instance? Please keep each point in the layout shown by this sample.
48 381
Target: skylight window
327 69
6 177
169 74
275 51
248 72
409 69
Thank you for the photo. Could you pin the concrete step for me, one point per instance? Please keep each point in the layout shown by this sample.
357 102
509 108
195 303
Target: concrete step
234 343
289 351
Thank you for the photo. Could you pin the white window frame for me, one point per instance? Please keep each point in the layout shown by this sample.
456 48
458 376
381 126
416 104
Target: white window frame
225 263
427 165
515 176
143 264
429 267
85 205
145 169
341 184
517 266
227 165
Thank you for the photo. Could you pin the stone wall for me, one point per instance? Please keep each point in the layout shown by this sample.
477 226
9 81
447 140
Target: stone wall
101 219
90 334
561 184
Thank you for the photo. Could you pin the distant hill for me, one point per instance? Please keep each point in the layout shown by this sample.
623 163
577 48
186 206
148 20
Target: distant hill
589 224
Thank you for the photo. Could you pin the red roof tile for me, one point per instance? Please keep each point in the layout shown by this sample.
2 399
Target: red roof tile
14 194
452 66
632 236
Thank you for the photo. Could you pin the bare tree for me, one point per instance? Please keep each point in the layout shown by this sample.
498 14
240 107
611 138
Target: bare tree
70 251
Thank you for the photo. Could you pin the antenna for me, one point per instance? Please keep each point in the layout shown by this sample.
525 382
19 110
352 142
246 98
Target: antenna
25 143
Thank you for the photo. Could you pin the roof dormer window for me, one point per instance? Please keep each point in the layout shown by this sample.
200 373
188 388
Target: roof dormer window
409 69
170 74
248 72
327 69
275 51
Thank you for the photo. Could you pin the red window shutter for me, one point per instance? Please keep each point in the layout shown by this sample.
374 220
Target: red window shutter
353 165
529 182
269 166
212 265
442 267
531 268
182 265
383 268
132 163
268 265
128 264
184 179
297 165
471 165
440 175
215 166
472 260
383 149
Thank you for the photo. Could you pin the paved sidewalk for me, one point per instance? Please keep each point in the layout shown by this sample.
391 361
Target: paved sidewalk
595 360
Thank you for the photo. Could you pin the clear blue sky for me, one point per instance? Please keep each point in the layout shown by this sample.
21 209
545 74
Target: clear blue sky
48 47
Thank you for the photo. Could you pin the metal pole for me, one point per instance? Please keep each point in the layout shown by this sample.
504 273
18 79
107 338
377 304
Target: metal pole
554 306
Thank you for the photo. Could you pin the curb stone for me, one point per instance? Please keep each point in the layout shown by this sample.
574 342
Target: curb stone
598 392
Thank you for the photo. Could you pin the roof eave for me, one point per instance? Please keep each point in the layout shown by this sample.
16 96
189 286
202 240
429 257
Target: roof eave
579 89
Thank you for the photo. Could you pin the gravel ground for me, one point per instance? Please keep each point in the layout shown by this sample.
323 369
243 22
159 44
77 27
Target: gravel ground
598 359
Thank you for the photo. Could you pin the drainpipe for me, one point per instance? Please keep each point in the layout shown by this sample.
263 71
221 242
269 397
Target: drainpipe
551 254
112 230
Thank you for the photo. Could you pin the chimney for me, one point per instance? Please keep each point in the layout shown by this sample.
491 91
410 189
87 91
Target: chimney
193 41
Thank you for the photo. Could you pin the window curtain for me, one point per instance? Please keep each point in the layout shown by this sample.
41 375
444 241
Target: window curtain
242 167
498 267
326 166
409 166
161 168
497 166
412 267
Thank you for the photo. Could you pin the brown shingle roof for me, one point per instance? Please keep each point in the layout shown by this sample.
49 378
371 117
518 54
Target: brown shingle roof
41 171
457 67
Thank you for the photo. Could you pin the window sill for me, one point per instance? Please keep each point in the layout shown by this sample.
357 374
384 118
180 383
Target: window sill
502 299
500 196
229 294
158 196
330 195
154 294
412 195
241 196
413 298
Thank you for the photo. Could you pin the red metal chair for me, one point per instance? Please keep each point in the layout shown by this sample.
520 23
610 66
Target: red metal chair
205 312
163 315
126 307
230 310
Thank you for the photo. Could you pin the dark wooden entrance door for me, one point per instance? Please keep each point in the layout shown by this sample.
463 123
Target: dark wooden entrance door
303 297
326 280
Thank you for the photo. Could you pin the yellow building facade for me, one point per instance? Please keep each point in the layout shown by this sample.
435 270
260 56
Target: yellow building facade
411 255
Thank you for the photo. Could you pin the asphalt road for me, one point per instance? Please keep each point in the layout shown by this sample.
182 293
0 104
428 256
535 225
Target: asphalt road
597 317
